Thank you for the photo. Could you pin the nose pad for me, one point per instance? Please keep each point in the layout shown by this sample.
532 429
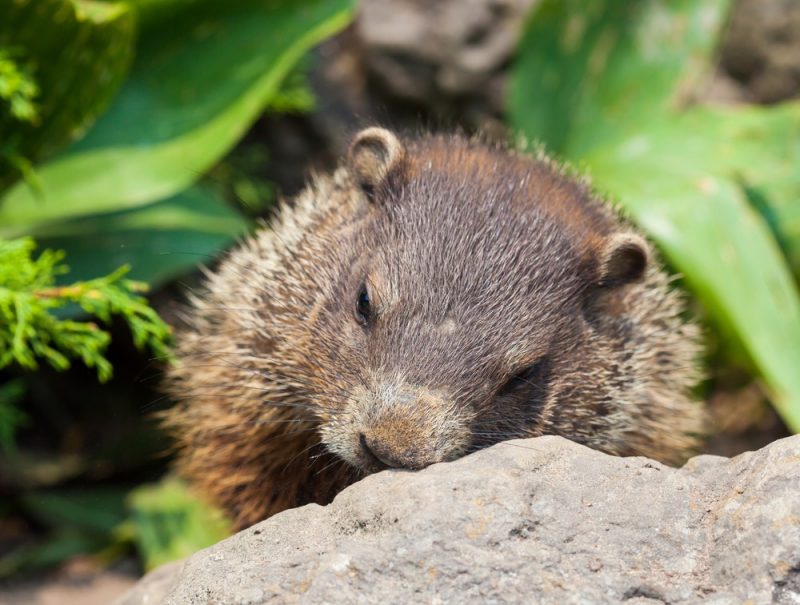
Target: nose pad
379 455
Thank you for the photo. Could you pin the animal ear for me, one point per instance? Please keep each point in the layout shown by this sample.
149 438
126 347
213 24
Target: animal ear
374 154
624 259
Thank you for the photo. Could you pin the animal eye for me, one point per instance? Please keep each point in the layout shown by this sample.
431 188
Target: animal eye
533 376
363 306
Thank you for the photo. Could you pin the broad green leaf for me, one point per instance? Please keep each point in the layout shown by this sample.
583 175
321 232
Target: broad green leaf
608 86
51 551
91 510
78 53
171 522
85 521
196 86
591 72
160 242
762 152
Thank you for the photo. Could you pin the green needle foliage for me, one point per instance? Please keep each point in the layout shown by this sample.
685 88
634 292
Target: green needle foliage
31 331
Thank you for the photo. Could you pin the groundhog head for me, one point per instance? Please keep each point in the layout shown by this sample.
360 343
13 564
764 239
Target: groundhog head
432 296
479 296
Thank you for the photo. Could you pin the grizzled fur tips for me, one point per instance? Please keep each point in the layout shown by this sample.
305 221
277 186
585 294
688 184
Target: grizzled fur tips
431 297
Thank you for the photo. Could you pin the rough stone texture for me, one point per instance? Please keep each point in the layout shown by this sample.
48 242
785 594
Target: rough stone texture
447 57
422 50
541 520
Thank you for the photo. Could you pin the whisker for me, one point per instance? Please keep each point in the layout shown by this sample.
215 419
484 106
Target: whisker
327 466
300 453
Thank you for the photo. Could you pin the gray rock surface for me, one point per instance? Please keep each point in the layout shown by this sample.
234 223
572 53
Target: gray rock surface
421 50
534 521
762 49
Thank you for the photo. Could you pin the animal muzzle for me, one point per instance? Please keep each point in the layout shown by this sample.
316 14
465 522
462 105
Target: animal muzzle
382 452
406 427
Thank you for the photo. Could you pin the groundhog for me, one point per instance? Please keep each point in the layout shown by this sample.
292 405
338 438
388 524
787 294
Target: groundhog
433 296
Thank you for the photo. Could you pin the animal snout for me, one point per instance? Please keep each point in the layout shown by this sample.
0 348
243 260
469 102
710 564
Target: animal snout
383 455
402 426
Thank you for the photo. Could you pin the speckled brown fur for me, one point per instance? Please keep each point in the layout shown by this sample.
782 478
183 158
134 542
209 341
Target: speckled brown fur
504 299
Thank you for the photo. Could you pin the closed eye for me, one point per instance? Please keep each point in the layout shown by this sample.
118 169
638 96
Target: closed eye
529 377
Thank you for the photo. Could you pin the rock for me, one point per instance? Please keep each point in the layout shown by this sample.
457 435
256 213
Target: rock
762 49
448 57
421 50
542 520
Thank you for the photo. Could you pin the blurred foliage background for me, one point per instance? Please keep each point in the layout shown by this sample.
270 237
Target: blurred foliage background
117 125
140 138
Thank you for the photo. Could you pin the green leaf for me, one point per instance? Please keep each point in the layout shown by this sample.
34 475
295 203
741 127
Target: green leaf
78 53
18 91
91 510
197 84
171 522
51 551
608 85
598 71
762 153
159 242
88 520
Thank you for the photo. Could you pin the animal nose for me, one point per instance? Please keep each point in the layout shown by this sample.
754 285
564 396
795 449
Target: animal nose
379 453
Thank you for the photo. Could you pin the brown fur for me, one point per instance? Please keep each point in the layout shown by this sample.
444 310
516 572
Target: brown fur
506 300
